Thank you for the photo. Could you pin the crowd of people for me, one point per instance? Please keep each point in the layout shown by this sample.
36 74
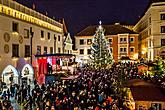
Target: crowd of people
92 90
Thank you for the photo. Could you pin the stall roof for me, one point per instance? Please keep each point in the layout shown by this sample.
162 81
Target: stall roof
125 58
55 55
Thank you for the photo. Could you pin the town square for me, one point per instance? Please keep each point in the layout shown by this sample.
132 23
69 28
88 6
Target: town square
75 55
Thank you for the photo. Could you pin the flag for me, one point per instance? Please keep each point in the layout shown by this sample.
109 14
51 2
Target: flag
33 6
46 13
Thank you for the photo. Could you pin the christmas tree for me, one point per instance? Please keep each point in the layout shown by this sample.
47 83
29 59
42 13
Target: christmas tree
101 54
159 68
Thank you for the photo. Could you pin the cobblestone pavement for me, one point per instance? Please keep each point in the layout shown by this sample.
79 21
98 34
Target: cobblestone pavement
15 104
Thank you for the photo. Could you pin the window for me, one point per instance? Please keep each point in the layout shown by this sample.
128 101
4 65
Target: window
45 50
131 39
132 49
54 37
162 42
150 20
89 41
48 36
110 41
27 50
89 51
162 16
81 41
162 29
125 49
59 50
81 51
121 39
58 38
42 34
38 50
15 50
51 50
125 39
121 49
149 31
26 33
15 27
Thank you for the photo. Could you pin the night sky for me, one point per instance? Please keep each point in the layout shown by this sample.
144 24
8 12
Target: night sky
79 14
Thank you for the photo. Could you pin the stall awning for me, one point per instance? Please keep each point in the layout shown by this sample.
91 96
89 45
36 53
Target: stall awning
125 58
55 55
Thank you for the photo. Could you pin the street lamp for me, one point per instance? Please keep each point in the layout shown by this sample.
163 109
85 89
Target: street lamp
31 42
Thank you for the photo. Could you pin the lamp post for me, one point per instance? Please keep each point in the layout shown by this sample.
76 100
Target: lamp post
31 43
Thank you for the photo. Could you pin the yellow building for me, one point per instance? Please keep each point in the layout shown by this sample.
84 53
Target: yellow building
25 32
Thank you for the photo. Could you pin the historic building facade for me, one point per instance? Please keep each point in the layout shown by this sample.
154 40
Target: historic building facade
151 29
123 42
25 32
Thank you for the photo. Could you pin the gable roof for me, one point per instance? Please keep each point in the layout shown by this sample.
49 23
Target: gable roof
109 30
68 39
145 91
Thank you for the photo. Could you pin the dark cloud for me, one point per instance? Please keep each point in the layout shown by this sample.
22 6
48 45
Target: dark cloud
80 13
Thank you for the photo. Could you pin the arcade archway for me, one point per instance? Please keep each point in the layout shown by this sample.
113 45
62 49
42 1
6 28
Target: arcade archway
10 75
27 75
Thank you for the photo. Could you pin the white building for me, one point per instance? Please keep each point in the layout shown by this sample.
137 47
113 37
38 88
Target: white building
123 42
68 44
151 29
22 28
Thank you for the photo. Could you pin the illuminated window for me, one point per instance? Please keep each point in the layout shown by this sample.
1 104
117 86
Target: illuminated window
15 27
0 9
4 10
20 16
89 41
8 12
15 14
